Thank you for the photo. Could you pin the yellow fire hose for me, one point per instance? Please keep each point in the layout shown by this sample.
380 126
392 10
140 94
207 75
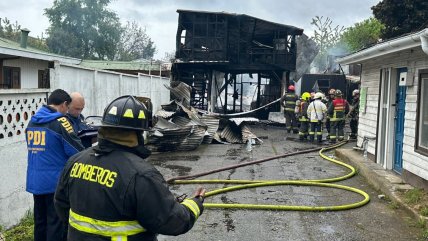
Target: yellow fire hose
243 184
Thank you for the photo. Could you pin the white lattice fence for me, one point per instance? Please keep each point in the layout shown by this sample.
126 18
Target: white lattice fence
16 110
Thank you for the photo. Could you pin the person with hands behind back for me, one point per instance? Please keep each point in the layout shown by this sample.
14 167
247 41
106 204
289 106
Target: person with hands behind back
109 192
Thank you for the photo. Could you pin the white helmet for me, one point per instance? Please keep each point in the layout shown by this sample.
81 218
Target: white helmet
355 92
319 95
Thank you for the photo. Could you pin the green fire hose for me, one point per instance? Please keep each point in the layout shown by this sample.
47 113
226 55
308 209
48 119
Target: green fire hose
244 184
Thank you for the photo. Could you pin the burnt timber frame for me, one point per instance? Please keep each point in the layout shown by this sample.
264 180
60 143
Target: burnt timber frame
233 44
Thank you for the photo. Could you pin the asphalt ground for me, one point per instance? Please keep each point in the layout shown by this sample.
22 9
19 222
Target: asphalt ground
375 221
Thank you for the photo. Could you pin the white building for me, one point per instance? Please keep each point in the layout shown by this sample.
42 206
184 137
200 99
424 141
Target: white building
394 104
27 76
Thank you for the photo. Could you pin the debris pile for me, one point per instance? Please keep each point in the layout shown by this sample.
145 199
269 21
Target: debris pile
179 127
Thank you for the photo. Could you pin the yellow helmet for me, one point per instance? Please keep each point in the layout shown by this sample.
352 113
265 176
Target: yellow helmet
306 96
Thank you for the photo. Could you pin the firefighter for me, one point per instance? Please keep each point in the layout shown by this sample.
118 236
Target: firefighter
354 112
109 192
288 101
316 113
302 116
329 101
337 111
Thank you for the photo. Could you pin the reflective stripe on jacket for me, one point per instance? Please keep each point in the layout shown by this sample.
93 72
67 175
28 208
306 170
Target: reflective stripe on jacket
109 192
118 229
288 101
338 110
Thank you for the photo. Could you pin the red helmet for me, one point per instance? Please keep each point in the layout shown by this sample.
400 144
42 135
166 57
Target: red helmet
291 88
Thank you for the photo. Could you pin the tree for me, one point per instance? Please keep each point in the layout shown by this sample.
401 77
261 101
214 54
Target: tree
326 37
400 17
362 34
8 30
135 44
13 32
83 29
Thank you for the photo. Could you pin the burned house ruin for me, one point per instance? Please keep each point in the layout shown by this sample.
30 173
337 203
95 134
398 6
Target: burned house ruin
220 54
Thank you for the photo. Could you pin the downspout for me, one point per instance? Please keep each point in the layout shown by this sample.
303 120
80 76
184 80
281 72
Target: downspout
424 41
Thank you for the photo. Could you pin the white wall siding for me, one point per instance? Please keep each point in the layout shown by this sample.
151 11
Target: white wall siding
414 60
368 121
29 70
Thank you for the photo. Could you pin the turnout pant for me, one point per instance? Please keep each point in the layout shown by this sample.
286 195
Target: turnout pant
354 127
47 225
303 131
290 121
316 129
336 130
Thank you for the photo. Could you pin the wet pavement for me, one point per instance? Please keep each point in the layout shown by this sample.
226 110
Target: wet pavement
374 221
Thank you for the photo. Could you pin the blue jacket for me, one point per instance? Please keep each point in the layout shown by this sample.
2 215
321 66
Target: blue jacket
50 142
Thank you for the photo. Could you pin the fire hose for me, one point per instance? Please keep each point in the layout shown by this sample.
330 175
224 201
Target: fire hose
244 184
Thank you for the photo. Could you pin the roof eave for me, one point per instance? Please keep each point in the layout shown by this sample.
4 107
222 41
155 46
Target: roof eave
392 46
40 56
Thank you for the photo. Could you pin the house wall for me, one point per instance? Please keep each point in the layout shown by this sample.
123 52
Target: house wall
29 70
414 60
17 106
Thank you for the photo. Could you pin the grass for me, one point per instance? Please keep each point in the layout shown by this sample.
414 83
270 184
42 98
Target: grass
425 234
22 231
424 211
413 196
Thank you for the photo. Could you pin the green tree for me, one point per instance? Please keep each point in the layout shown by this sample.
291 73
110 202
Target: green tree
326 37
135 43
83 29
362 34
400 17
9 30
13 32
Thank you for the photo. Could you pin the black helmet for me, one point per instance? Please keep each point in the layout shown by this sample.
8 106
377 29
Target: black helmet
126 112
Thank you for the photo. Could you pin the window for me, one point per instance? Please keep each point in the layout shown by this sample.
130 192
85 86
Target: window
11 78
43 79
421 144
323 85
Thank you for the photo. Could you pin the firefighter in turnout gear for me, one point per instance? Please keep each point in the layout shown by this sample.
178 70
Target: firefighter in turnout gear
288 101
330 99
302 116
337 112
353 113
109 192
316 113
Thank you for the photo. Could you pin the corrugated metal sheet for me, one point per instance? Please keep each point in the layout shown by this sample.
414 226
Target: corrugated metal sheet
212 123
172 136
239 121
165 114
231 133
181 91
247 134
192 113
196 136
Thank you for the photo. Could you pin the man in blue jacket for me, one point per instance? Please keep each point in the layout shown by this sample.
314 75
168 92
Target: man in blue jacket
77 120
50 142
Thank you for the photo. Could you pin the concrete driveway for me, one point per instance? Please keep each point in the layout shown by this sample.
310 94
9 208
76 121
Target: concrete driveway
374 221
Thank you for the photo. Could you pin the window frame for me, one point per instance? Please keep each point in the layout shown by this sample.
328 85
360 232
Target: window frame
10 85
420 149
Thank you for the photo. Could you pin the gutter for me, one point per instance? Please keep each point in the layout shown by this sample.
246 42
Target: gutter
392 46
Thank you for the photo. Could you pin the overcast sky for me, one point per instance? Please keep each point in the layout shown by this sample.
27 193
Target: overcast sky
160 16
